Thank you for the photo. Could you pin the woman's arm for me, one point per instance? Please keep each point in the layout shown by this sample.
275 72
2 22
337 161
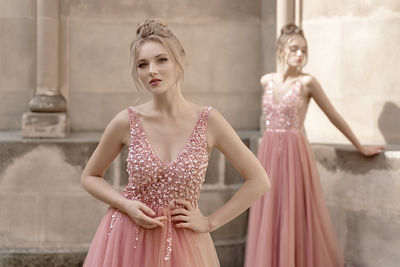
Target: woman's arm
316 92
222 136
93 182
264 80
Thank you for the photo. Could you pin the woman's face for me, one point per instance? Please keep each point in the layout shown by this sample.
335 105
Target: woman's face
156 69
295 53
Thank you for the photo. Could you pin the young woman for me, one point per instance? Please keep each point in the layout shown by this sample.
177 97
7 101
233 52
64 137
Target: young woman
156 220
290 225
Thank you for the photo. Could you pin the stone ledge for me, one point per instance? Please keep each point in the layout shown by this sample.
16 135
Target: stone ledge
33 258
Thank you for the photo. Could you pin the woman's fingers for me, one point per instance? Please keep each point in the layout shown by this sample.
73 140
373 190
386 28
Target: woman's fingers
179 211
185 203
145 220
146 209
182 225
180 218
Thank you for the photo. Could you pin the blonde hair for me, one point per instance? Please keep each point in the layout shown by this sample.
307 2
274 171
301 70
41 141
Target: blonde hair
287 33
156 30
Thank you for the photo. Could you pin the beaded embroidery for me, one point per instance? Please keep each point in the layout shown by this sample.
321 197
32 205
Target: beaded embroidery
282 116
158 184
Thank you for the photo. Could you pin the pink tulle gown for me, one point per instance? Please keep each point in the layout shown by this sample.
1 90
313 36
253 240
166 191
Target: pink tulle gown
290 225
119 242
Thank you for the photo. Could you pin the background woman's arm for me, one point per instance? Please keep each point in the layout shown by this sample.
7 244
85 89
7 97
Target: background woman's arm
317 93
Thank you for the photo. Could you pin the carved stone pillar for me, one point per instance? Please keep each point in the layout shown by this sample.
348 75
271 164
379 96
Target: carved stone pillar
288 11
285 13
47 116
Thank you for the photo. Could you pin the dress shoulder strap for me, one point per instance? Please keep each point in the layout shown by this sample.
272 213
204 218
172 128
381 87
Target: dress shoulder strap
133 122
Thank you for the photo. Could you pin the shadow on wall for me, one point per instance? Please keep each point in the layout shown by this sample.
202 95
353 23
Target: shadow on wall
389 123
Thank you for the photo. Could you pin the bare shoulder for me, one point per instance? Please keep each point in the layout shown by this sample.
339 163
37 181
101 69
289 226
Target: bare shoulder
266 78
214 118
218 127
121 119
308 80
119 126
310 83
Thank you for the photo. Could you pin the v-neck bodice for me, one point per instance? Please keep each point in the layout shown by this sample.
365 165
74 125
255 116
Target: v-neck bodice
288 114
157 183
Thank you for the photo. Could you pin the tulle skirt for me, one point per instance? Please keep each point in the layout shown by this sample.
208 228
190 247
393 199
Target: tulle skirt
290 225
118 242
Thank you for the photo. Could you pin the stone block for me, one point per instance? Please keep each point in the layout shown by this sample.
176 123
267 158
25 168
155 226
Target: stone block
126 10
42 258
19 220
237 108
42 169
12 105
214 166
18 55
17 9
237 228
170 10
69 221
231 255
86 115
88 73
360 60
49 125
372 240
316 9
211 200
362 196
36 167
124 174
225 47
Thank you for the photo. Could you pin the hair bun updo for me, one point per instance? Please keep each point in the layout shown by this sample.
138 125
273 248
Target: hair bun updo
291 28
153 26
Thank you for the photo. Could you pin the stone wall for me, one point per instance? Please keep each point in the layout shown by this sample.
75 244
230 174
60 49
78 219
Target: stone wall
46 216
352 52
362 196
226 42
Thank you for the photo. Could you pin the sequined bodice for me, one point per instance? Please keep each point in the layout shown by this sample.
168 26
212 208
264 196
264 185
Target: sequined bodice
156 183
286 115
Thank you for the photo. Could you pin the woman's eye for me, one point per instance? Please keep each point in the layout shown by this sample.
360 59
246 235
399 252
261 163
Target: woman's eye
142 65
162 60
293 48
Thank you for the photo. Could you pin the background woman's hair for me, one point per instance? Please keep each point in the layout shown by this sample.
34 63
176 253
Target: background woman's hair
287 32
156 30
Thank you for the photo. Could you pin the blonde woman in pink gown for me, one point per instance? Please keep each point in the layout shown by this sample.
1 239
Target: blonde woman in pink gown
156 221
290 225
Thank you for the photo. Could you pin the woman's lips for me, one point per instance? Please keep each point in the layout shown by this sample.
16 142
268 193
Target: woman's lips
154 81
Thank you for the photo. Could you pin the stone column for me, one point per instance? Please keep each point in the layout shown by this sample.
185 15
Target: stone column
285 13
47 116
299 13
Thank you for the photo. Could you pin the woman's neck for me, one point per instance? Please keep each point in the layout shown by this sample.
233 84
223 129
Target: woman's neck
170 102
286 72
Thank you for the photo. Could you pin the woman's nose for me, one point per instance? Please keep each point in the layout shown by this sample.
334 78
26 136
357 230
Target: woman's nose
152 69
299 52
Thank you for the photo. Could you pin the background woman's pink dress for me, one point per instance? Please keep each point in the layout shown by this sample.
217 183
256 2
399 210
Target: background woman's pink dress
119 242
290 225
